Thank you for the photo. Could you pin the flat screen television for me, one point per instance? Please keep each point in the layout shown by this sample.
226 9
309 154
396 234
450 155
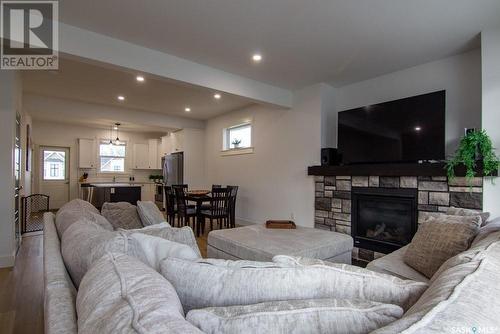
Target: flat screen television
405 130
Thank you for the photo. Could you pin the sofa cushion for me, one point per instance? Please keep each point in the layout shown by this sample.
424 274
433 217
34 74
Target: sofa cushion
393 264
486 231
183 235
77 244
297 316
468 212
462 297
121 215
225 283
439 239
76 209
149 213
59 292
120 294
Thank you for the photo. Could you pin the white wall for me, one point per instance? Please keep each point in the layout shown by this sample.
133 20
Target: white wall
460 76
64 135
10 102
273 180
490 54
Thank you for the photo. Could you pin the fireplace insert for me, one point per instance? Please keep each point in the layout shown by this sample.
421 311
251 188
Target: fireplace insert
383 220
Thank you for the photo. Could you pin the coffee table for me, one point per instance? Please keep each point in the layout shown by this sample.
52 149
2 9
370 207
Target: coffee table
258 243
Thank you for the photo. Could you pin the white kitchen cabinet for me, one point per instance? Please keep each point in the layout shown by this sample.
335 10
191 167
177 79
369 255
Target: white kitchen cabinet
148 192
86 153
145 156
178 141
140 156
153 154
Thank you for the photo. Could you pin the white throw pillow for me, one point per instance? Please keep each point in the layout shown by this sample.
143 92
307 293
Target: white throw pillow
119 294
183 235
149 213
313 316
156 249
210 282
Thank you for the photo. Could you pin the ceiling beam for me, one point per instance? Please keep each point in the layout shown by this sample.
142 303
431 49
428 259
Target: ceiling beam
93 46
51 108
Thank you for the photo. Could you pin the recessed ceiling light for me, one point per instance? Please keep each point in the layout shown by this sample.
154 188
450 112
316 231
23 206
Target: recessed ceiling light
418 128
121 98
217 96
187 109
257 57
140 78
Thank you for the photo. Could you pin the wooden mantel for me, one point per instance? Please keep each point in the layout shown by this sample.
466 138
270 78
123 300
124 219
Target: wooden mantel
389 169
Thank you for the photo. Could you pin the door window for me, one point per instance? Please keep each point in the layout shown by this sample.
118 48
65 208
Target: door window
54 165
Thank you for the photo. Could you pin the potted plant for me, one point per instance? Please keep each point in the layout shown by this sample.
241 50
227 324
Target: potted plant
475 147
236 143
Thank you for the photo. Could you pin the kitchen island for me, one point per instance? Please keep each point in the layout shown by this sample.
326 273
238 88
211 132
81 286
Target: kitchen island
99 193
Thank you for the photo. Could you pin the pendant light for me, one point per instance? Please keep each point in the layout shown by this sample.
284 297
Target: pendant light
117 140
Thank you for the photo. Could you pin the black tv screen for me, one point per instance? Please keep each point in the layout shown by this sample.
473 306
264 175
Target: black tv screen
405 130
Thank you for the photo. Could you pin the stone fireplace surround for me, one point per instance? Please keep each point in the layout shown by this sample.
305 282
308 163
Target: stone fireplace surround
435 194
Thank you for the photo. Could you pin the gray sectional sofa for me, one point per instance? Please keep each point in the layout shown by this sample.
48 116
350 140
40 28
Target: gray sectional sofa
100 279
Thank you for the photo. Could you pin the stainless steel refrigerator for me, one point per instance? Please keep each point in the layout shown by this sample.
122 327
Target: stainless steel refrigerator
173 168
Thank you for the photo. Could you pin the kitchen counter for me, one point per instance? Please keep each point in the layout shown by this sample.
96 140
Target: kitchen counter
111 185
115 184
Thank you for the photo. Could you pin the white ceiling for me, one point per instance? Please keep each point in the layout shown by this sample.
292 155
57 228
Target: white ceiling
91 83
302 41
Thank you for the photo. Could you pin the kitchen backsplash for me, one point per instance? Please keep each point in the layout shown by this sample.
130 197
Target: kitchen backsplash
139 176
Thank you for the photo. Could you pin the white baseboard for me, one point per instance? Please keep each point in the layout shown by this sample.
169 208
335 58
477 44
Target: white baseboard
244 222
7 261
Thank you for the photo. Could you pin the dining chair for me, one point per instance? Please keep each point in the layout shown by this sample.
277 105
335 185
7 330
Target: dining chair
219 210
232 205
208 205
170 203
184 212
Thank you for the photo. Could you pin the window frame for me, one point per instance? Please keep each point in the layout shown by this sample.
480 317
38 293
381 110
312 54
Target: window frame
226 141
99 157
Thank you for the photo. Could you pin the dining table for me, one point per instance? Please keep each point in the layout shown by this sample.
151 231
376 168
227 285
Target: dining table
199 199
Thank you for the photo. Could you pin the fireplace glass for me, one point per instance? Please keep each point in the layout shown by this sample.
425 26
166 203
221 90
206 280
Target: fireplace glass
385 221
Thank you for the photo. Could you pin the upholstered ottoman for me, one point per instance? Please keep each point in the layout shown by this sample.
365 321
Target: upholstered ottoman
258 243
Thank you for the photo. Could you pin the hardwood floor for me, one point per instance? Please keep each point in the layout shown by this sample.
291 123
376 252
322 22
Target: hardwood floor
21 288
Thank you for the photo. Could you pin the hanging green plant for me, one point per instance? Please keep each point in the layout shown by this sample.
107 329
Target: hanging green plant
474 147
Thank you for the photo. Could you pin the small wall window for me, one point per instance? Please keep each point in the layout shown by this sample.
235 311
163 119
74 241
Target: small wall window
112 157
237 137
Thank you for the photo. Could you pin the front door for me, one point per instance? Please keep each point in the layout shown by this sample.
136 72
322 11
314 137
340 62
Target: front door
54 178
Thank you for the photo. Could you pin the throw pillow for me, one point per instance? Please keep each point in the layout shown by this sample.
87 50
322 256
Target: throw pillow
313 316
149 213
183 235
468 212
439 239
121 215
210 282
156 249
120 294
